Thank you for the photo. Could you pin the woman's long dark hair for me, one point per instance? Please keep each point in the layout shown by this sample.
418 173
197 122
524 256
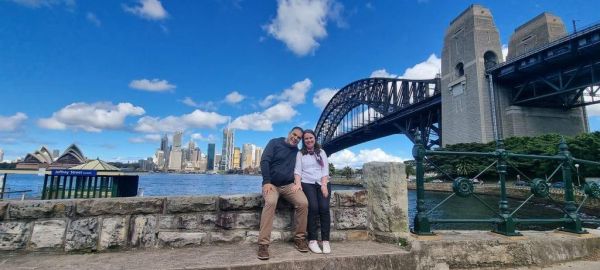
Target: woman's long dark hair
317 149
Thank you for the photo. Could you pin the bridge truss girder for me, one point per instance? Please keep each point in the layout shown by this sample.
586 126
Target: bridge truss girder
377 107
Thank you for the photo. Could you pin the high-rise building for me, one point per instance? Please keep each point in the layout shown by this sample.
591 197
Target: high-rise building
257 157
248 155
55 153
159 159
164 146
1 155
210 158
190 152
176 155
227 150
217 160
237 159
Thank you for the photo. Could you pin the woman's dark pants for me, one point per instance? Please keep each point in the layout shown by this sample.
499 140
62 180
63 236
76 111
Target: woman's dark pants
318 206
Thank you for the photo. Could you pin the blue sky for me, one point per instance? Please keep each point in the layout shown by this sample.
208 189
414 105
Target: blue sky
113 76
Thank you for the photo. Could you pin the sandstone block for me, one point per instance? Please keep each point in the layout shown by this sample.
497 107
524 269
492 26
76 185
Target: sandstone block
191 204
13 235
114 233
179 222
387 196
3 207
143 231
120 206
252 236
337 236
350 218
349 198
240 202
283 219
233 220
82 234
181 239
227 236
48 234
41 209
357 235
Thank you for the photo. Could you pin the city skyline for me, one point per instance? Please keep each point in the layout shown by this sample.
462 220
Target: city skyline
115 77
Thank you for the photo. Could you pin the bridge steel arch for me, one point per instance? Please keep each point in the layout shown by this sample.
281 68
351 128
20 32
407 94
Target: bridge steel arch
373 108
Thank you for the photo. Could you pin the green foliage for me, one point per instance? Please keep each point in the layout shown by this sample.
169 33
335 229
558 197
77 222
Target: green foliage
347 172
584 146
8 166
409 167
331 169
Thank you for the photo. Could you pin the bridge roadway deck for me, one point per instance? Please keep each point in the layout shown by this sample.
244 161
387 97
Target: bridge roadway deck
447 250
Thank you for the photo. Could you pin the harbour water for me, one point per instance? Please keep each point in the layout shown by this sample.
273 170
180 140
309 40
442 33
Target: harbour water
153 184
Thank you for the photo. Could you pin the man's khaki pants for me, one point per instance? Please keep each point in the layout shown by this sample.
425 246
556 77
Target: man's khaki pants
298 199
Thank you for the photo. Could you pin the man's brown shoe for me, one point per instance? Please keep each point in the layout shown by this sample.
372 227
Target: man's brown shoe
263 252
301 245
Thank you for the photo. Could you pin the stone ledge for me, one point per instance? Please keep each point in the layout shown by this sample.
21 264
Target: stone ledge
191 204
120 206
41 209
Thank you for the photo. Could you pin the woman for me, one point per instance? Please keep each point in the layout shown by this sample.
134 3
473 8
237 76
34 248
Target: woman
313 170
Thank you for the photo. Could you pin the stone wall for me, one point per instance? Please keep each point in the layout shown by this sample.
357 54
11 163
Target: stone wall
84 225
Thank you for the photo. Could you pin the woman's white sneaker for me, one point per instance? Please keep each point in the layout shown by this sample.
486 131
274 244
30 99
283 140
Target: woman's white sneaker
314 246
326 247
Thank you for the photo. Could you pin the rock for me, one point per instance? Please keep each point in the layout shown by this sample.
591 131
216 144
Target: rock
233 220
48 234
181 239
387 196
349 198
179 222
114 233
357 235
252 236
82 235
350 218
41 209
227 236
3 207
191 204
240 202
283 219
120 206
143 231
13 235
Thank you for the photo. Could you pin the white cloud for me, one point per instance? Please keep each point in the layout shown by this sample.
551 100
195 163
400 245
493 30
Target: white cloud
45 3
148 138
12 123
91 117
300 23
200 137
195 119
154 85
263 121
504 51
148 9
424 70
346 157
234 97
323 96
294 95
209 105
91 17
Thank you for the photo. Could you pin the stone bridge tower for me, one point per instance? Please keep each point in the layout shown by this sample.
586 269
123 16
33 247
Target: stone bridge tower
471 43
466 114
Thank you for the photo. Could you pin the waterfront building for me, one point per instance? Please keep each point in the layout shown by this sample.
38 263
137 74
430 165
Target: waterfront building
257 157
1 155
159 159
237 159
248 156
227 150
202 164
71 157
55 153
210 158
217 161
42 158
146 164
176 155
164 146
189 154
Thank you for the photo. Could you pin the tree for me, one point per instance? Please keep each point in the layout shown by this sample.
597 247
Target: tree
347 172
409 168
331 169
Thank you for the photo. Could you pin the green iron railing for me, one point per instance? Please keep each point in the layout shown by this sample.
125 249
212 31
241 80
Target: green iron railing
504 219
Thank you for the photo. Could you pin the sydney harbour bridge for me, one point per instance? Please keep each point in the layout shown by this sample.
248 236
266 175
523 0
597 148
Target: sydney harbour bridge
541 88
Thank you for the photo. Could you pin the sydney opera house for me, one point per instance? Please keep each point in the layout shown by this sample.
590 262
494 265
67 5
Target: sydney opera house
43 158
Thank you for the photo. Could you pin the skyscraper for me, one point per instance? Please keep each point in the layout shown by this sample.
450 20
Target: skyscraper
237 158
227 150
176 155
164 146
210 159
55 153
1 155
248 155
257 157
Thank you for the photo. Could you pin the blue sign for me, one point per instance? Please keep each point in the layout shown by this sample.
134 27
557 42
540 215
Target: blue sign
74 172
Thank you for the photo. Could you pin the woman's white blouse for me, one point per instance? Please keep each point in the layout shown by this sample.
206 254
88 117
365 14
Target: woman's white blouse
309 169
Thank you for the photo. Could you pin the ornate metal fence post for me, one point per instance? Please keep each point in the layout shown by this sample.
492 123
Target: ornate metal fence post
508 225
574 225
422 226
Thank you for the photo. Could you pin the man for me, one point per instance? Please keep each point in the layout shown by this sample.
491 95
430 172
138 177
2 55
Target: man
277 164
